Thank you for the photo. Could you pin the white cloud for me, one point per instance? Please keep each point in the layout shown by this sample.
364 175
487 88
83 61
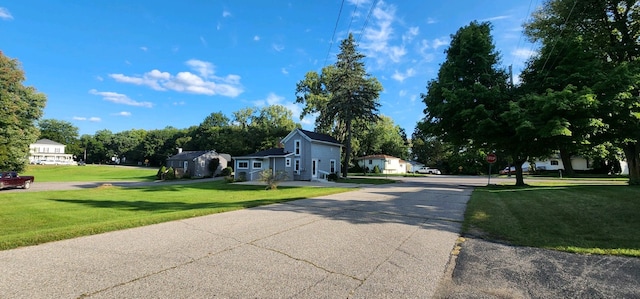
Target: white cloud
144 49
119 98
402 93
5 14
277 47
296 109
523 53
204 41
91 119
402 76
439 42
431 21
226 13
203 82
256 38
284 71
99 78
496 18
123 113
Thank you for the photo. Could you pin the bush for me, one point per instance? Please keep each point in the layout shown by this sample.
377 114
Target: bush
213 166
333 177
226 171
229 179
376 169
272 179
161 173
171 174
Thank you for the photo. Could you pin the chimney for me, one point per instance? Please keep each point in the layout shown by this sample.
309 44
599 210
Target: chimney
179 150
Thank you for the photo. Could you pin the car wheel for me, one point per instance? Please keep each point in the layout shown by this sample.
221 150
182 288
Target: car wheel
26 185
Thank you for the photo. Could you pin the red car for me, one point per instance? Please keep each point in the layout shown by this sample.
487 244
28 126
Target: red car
11 179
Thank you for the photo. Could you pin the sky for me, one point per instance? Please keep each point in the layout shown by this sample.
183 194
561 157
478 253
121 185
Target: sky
122 65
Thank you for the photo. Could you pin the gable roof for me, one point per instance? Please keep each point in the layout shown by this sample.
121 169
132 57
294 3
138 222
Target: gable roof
47 141
188 155
272 152
313 136
375 157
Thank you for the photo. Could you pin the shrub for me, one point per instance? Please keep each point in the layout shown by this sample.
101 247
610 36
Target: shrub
161 173
213 166
272 179
226 171
376 169
333 177
171 174
229 179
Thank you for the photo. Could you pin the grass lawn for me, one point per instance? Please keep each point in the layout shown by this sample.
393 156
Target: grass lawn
90 173
37 217
574 218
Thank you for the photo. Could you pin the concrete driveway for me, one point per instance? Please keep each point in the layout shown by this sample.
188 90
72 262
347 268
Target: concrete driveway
389 241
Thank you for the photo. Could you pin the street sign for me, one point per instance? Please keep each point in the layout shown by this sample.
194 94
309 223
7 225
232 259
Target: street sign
492 158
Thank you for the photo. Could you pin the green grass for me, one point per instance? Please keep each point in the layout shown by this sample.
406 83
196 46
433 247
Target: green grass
38 217
573 218
90 173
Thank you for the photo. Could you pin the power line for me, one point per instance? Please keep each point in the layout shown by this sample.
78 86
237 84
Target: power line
564 26
334 33
364 26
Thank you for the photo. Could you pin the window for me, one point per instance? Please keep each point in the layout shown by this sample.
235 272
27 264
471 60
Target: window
296 147
370 162
554 162
297 165
332 166
287 162
57 150
243 164
257 164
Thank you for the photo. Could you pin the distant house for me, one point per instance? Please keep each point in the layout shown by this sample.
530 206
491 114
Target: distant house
196 163
387 164
45 151
304 156
555 163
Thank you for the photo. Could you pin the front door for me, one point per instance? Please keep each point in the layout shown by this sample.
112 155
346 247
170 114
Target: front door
314 169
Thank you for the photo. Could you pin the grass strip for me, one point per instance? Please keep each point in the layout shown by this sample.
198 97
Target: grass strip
38 217
579 219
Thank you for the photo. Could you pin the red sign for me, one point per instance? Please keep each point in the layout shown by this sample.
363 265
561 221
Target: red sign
492 158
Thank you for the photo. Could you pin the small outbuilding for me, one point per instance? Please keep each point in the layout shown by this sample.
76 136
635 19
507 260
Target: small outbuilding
195 164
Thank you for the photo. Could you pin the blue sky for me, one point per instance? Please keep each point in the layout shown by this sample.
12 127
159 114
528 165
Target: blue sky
122 64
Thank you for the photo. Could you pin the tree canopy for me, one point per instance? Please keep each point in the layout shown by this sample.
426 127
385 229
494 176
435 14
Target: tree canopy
20 107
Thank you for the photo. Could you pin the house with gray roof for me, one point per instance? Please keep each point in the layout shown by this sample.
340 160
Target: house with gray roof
46 151
303 156
195 164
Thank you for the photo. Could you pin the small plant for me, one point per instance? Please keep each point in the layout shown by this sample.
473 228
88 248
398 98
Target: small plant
226 171
333 177
272 179
170 174
161 173
229 179
376 169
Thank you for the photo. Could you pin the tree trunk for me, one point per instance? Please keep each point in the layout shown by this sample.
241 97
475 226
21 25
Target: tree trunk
347 154
632 153
519 175
565 156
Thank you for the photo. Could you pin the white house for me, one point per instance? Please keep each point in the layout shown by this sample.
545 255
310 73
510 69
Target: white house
304 156
555 163
45 151
387 164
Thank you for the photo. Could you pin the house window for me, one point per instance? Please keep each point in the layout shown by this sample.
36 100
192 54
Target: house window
297 165
332 166
257 165
243 164
57 150
554 162
296 147
287 162
370 162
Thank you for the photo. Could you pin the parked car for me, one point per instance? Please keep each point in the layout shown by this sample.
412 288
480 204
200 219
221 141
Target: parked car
427 170
11 179
512 170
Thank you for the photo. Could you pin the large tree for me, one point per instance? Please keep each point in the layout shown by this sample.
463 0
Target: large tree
20 107
61 131
343 96
470 106
610 32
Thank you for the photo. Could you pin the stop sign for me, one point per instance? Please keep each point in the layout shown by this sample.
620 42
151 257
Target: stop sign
492 158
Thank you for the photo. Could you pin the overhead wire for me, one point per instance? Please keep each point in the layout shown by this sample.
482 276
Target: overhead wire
366 22
334 33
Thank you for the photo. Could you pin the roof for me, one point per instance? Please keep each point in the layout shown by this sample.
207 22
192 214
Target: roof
272 152
377 157
313 136
47 141
188 155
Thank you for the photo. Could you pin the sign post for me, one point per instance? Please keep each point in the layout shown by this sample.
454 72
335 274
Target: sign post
491 158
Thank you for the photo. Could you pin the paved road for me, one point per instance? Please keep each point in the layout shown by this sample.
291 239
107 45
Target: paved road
389 241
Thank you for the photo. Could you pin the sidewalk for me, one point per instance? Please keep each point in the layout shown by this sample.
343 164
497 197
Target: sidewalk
387 241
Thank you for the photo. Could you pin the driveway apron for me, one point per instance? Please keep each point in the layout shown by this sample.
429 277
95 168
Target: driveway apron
389 241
